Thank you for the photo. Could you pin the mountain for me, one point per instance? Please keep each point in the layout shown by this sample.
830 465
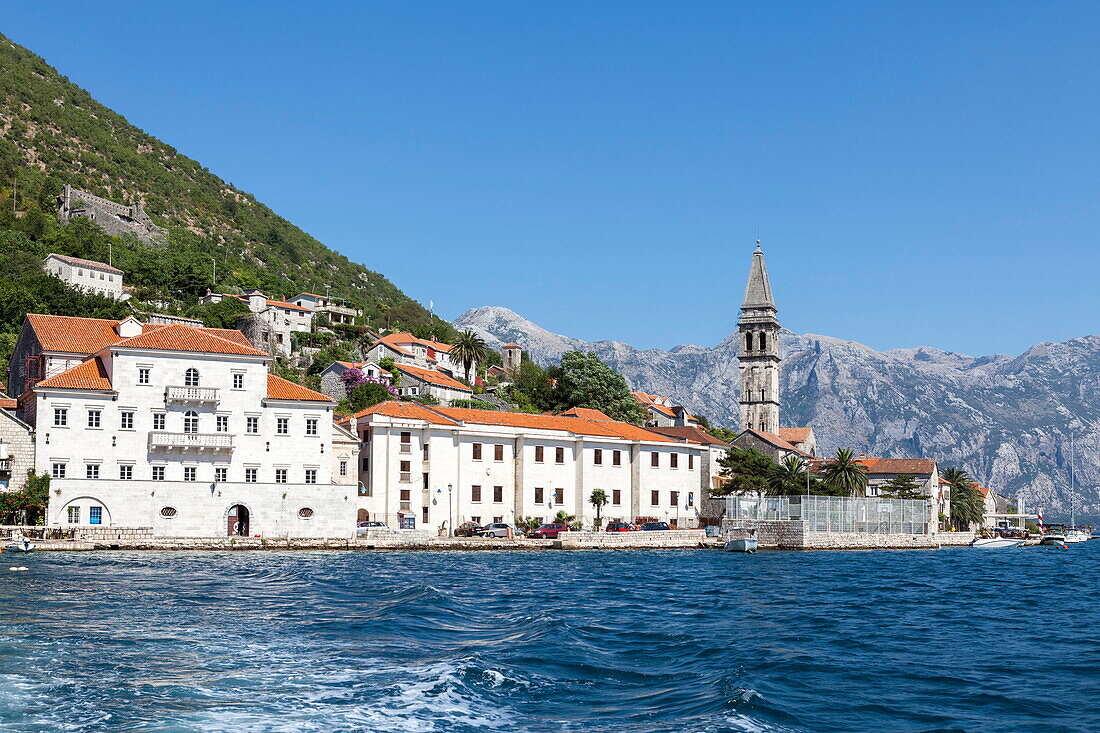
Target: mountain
1007 420
53 133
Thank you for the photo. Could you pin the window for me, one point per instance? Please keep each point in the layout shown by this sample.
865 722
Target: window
280 475
221 474
238 381
60 417
616 497
366 463
406 442
674 460
190 473
168 512
498 452
406 472
674 499
282 425
475 494
311 426
424 450
57 470
95 515
406 494
126 420
311 475
190 422
143 375
748 341
691 461
91 470
655 459
221 423
538 454
538 496
191 377
617 458
498 494
305 512
125 473
158 420
250 475
654 497
74 515
559 496
763 341
158 473
597 457
477 451
476 520
343 468
559 455
252 425
95 418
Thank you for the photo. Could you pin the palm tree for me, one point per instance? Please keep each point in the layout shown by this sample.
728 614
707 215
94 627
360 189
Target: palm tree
966 501
598 499
469 348
787 478
845 474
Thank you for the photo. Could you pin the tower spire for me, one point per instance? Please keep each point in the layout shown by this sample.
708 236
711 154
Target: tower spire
758 290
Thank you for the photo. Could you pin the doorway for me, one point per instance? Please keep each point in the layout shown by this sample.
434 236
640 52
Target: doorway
237 521
362 516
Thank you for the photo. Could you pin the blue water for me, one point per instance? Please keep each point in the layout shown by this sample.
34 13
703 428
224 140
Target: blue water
956 639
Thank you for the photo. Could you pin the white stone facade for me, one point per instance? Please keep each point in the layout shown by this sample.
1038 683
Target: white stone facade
86 275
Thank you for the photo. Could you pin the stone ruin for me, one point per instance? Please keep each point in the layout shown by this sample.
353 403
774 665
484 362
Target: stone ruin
115 219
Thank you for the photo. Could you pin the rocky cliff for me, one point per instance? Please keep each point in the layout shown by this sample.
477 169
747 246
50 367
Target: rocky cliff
1007 420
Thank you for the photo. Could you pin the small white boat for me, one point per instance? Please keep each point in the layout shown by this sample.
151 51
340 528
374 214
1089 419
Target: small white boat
19 546
743 544
1056 540
996 543
1076 534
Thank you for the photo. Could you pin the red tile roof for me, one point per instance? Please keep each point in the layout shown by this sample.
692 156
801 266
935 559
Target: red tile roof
406 410
690 433
283 389
88 374
396 340
73 335
586 414
77 262
879 466
777 442
511 346
795 435
180 337
432 377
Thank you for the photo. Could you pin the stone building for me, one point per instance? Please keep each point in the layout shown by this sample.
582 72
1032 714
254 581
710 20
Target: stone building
88 276
114 218
16 447
513 356
663 412
332 378
270 324
758 356
404 348
332 308
420 382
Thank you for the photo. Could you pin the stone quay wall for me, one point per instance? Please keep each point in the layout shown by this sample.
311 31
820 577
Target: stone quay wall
781 534
634 540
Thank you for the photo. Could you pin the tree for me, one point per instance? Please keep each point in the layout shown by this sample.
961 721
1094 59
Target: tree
468 348
788 478
845 474
366 395
585 381
598 498
904 486
745 470
967 504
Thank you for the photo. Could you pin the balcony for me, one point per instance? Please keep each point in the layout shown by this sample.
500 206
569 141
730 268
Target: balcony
191 394
190 441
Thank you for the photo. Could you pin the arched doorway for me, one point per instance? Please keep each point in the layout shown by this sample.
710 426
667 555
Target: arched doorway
237 521
363 516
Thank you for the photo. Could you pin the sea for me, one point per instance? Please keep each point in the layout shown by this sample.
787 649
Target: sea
656 641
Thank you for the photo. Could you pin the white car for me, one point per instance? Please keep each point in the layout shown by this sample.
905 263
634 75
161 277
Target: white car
496 529
365 527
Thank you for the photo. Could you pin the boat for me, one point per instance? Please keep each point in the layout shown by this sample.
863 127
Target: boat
1053 540
743 544
1078 534
19 546
996 543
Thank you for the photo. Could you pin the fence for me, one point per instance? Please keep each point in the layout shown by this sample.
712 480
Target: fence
867 515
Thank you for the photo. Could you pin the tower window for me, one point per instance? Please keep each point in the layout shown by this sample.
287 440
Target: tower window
763 341
748 341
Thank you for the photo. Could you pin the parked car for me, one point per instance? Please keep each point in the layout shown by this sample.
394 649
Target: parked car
549 531
651 526
364 527
496 529
620 527
468 529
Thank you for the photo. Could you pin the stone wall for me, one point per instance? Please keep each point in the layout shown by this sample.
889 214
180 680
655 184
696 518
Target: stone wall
16 436
114 218
792 535
622 540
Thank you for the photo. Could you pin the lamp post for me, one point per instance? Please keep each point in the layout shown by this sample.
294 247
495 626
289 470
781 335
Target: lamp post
450 524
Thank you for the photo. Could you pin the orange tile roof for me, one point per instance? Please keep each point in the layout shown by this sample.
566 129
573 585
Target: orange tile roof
406 410
86 263
777 441
690 433
88 374
396 339
180 337
231 334
288 306
433 377
911 466
511 346
8 403
586 413
795 435
283 389
73 335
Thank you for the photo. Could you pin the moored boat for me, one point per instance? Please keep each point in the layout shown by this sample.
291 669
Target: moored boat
743 544
996 543
19 546
1053 539
1078 534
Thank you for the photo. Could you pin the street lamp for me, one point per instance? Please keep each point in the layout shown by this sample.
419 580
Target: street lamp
450 524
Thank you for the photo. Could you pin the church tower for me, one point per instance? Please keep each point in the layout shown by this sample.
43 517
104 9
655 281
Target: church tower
758 355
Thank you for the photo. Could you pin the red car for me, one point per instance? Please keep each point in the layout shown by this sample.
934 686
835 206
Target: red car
620 527
549 531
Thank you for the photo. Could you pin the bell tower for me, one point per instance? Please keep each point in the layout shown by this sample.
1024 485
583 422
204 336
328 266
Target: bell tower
758 354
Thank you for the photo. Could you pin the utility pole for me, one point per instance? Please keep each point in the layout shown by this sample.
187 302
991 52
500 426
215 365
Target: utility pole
215 281
110 254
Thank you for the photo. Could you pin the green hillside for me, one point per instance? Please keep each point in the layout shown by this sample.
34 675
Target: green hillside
52 133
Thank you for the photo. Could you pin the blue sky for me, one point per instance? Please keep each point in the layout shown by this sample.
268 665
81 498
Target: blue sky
920 173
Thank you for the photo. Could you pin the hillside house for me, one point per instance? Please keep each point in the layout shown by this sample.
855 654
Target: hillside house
404 348
420 382
663 412
332 378
335 309
88 276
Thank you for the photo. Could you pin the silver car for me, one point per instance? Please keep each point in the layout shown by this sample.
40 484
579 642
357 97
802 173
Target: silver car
496 529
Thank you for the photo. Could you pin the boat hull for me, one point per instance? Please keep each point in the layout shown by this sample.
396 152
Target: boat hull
743 544
1076 535
1053 539
19 547
996 543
